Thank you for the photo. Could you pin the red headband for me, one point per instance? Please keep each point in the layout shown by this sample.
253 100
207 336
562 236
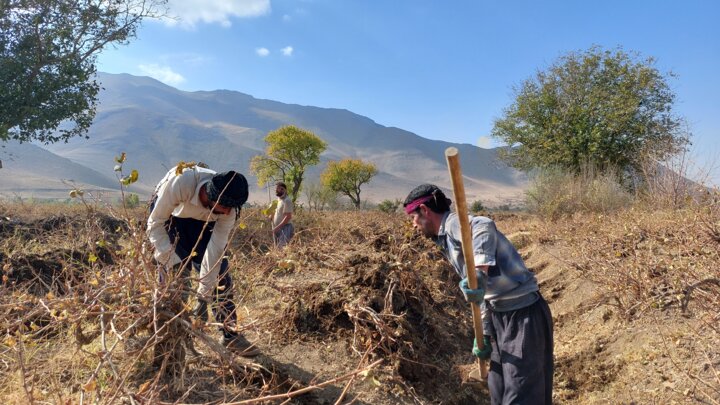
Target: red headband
416 203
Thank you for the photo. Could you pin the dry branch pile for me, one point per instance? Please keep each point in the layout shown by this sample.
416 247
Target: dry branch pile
357 307
84 315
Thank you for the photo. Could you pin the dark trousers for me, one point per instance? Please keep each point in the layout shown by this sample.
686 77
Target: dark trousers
184 234
521 363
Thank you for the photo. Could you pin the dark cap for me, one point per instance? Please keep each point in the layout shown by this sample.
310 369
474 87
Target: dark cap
229 189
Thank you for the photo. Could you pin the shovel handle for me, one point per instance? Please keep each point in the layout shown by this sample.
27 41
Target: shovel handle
453 160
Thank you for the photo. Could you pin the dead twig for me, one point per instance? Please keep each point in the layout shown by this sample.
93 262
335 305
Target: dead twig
306 389
689 290
349 383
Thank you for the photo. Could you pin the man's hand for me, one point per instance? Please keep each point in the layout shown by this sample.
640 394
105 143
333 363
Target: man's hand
471 295
483 354
201 310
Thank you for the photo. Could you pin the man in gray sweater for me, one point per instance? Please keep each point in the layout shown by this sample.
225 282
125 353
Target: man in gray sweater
516 319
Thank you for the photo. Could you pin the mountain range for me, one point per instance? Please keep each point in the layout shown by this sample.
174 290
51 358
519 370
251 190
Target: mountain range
157 126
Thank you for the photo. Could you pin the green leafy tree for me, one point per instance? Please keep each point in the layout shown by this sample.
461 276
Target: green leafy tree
290 151
346 177
47 62
606 108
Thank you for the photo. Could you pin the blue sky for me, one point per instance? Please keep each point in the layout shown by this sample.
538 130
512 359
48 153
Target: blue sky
441 69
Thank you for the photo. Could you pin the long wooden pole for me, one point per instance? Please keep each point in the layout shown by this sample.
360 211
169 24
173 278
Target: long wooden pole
453 160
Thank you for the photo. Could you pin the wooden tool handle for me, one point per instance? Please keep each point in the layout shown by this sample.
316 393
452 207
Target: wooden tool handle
453 160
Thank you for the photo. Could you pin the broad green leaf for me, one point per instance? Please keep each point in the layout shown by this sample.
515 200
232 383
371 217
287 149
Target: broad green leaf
270 209
130 179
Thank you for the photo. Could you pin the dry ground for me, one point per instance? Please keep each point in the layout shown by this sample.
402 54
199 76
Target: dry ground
354 288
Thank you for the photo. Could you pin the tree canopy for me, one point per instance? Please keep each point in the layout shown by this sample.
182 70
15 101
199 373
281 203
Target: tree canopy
48 48
290 150
609 109
346 177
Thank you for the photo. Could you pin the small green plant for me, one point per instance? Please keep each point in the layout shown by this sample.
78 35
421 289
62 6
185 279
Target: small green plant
125 181
132 200
389 206
477 206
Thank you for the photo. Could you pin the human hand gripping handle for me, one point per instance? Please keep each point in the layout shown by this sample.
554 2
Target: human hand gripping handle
472 295
484 353
477 296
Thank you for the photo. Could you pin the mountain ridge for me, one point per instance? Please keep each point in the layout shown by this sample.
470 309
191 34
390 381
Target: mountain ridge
158 125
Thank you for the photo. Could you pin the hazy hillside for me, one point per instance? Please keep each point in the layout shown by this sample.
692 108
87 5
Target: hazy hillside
158 125
29 170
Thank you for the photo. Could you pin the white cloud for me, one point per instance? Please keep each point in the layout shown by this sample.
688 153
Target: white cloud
188 13
263 52
287 51
163 73
286 17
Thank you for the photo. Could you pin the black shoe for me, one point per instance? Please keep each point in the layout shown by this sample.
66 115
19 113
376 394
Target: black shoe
240 345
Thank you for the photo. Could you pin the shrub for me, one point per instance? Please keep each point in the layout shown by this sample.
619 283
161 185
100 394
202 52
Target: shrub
554 192
132 200
477 206
389 206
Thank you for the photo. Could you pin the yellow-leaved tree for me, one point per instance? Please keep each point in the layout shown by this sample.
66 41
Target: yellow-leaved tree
290 150
346 176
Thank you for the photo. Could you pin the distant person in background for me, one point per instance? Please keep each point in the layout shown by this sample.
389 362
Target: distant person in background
196 210
283 230
516 319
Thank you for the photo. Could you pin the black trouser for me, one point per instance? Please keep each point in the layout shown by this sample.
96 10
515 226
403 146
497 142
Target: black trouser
184 234
521 363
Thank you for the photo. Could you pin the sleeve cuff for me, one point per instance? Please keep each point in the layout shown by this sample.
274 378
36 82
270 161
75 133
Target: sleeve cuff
169 258
484 260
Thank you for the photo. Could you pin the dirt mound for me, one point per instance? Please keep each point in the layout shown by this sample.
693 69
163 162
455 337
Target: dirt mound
51 271
315 313
387 306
